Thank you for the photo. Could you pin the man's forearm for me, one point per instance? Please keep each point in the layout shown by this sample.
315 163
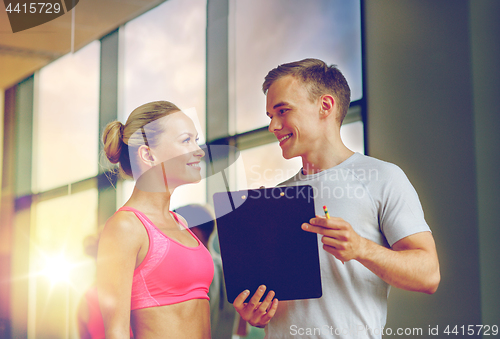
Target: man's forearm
414 269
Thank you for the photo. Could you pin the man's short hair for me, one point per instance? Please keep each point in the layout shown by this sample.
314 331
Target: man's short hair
319 79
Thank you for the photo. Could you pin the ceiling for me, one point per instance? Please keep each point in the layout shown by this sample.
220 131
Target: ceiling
24 52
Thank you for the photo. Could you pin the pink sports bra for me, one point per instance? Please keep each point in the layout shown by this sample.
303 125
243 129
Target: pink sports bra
171 272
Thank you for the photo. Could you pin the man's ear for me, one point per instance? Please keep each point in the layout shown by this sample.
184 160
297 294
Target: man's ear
327 102
146 156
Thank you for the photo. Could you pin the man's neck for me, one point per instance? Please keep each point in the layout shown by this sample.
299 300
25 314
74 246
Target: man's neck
324 160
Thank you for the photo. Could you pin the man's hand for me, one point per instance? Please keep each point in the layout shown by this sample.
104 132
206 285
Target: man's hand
257 313
338 238
410 264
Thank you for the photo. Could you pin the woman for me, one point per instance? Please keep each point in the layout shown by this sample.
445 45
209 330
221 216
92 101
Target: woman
152 271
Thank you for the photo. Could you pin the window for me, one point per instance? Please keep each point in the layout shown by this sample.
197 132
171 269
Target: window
264 34
353 136
265 166
163 58
66 120
60 269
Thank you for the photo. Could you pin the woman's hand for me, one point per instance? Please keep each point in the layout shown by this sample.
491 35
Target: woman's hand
255 312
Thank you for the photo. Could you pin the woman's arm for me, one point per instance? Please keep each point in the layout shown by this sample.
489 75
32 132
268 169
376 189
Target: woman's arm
83 319
119 245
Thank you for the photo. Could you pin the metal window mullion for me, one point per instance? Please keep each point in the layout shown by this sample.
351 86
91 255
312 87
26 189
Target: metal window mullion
217 82
108 111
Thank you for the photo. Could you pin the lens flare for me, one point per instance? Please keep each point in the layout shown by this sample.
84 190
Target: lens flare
57 269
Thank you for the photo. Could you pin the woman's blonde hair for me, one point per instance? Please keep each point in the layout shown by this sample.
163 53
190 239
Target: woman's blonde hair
120 139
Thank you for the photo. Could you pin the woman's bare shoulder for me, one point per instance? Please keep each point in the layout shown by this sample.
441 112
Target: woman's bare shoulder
123 224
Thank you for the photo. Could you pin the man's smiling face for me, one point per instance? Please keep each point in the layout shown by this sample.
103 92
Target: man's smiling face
294 117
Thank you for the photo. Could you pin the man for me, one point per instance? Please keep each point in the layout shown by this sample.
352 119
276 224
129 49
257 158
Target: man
377 235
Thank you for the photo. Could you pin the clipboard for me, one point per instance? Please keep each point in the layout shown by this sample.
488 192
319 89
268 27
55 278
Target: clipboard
262 243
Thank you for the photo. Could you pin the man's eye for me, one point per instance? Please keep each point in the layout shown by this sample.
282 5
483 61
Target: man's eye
283 111
187 140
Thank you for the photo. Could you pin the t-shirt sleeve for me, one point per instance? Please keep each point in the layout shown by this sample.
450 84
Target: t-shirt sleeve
400 213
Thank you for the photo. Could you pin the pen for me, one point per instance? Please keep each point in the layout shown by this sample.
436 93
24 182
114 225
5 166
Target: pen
326 212
328 217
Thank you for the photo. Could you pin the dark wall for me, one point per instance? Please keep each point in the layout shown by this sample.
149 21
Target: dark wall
485 40
427 61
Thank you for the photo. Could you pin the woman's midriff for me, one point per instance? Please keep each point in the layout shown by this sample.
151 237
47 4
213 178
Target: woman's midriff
188 319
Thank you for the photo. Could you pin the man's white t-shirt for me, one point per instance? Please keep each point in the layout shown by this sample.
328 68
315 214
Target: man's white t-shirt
378 201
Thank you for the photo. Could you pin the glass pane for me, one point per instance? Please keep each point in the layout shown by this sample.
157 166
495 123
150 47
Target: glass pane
66 124
269 33
61 271
124 190
264 166
353 137
164 57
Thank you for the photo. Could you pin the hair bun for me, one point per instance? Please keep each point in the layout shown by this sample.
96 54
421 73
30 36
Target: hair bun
113 141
